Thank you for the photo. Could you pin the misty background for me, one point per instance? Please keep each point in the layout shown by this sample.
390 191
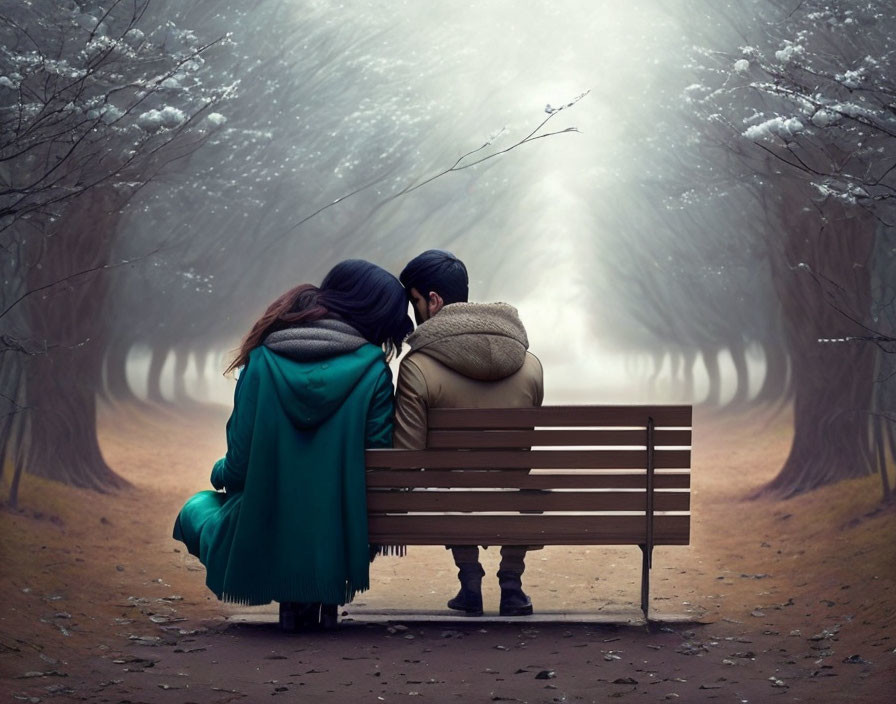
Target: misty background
405 89
683 198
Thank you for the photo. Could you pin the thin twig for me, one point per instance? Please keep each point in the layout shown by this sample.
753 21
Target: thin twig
76 275
531 137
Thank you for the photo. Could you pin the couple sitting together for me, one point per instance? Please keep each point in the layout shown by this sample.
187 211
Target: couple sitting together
288 521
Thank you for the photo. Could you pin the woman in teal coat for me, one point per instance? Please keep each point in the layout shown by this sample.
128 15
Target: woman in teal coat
288 521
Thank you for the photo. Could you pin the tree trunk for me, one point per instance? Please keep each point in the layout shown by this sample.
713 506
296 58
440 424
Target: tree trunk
159 355
181 361
884 414
11 387
18 447
890 433
833 382
201 356
12 360
690 359
739 357
830 431
117 386
62 392
675 372
880 446
657 356
711 362
883 282
774 385
61 385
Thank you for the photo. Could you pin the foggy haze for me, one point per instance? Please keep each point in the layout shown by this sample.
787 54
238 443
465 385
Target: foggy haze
444 80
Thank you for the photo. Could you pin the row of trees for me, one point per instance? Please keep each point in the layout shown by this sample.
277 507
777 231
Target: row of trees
754 213
178 151
96 100
768 221
805 113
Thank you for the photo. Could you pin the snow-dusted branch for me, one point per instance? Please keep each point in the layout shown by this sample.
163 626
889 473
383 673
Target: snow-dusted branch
92 102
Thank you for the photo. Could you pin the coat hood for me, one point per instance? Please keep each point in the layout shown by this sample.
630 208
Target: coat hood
484 341
315 368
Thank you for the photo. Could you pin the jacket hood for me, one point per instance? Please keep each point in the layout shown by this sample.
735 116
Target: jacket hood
484 341
310 387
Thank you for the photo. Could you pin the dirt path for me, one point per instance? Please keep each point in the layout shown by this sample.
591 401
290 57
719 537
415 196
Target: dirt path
793 601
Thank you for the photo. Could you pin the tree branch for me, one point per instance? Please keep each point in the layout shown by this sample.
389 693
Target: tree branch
76 275
531 137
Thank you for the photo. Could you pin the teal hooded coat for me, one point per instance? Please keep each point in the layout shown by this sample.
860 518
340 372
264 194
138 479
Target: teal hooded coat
291 521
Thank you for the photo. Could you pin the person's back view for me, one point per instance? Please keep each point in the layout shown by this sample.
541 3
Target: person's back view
288 521
464 355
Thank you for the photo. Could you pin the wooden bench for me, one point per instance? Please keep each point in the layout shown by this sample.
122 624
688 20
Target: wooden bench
569 475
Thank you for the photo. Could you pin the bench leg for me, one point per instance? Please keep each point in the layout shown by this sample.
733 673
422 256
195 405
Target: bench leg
646 559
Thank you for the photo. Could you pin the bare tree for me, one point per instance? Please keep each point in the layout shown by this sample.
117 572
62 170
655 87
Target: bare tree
804 105
96 99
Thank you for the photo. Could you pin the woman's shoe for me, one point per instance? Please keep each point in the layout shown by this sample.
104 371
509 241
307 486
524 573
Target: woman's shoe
299 616
329 616
288 623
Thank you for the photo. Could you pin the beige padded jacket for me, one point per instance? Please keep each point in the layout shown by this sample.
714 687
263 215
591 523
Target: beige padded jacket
468 355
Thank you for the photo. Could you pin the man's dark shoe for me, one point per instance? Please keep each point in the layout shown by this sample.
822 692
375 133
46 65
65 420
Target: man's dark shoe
514 602
467 600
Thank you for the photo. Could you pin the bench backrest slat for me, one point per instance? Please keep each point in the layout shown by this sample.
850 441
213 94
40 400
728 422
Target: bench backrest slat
484 501
522 529
523 459
495 439
515 479
561 416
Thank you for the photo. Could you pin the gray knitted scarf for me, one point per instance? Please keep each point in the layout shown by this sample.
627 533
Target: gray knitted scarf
318 340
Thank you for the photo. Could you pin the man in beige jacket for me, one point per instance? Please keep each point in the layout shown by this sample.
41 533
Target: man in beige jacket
464 355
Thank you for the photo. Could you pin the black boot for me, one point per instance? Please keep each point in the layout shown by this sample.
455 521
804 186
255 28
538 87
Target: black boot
514 601
468 599
329 616
297 616
470 573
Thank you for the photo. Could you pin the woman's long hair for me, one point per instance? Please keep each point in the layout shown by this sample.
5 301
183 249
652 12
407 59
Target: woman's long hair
362 294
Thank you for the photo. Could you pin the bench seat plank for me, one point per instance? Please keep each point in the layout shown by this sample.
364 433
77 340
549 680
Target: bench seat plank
414 529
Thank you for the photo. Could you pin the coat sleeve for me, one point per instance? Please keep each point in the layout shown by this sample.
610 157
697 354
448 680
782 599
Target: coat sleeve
411 407
380 414
229 472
